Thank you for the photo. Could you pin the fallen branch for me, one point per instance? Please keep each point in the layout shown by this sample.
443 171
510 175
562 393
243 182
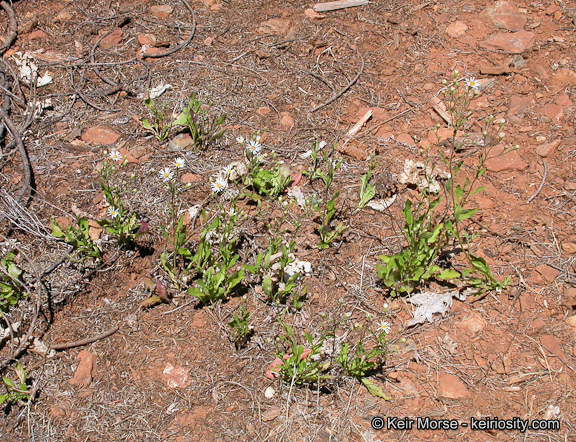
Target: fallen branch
343 91
86 341
28 176
183 45
541 184
341 4
12 27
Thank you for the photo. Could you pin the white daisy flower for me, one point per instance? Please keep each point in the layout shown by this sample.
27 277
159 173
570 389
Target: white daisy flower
166 174
240 140
179 163
254 147
472 83
115 156
384 327
219 185
231 211
113 212
228 171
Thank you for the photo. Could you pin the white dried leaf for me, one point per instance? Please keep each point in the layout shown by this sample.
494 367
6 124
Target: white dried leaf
428 304
155 92
382 204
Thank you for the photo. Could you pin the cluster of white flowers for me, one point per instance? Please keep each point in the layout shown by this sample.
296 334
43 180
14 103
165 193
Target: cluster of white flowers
167 173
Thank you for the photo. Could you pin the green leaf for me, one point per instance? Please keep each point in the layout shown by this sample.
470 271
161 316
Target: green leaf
146 124
182 119
463 214
374 389
8 382
268 286
448 274
56 230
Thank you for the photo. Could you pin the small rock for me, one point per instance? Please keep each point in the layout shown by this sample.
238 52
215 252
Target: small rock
189 178
100 135
554 112
275 26
472 324
507 161
538 323
180 142
111 40
263 111
516 43
569 247
405 139
505 15
269 392
56 411
147 39
451 387
176 377
127 155
287 122
519 104
36 35
564 100
571 321
498 366
271 414
551 344
456 29
86 370
548 273
65 15
161 11
547 149
312 14
353 152
564 77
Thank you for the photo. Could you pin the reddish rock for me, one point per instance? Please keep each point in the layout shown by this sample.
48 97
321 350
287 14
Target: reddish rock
564 100
451 387
271 414
550 343
547 149
86 370
554 112
538 323
405 139
569 247
194 417
505 161
516 43
147 39
287 122
505 15
56 411
472 324
127 155
189 178
180 142
37 35
65 15
564 77
263 111
176 377
456 29
111 40
275 26
311 13
100 135
352 151
548 273
161 11
519 104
